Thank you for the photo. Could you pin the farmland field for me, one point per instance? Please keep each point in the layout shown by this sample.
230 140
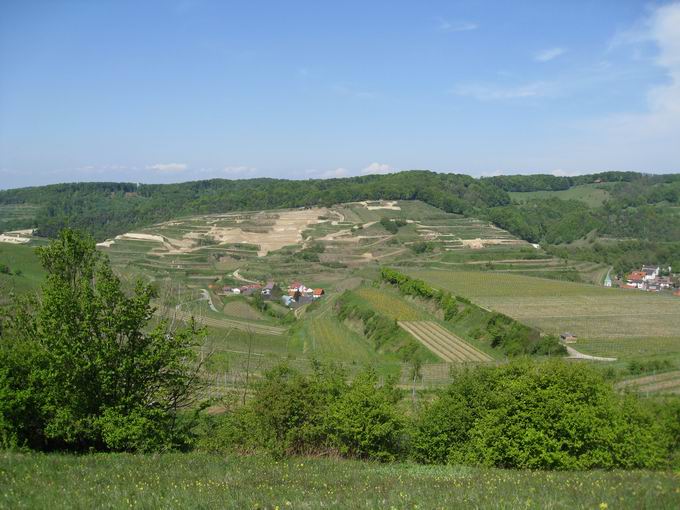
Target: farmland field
611 322
198 480
664 383
387 303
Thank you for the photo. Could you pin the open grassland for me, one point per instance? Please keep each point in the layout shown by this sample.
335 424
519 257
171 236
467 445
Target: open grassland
610 322
592 194
195 480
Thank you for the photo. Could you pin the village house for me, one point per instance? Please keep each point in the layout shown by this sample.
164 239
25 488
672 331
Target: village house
568 338
271 291
649 279
299 294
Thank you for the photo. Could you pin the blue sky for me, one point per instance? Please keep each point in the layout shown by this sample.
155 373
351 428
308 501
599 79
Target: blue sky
163 91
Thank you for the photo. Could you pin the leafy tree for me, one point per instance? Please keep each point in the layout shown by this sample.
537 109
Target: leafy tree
81 367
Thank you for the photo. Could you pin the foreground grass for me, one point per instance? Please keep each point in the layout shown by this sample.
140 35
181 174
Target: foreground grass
211 481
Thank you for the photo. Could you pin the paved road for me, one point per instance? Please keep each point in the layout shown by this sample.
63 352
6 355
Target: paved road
574 354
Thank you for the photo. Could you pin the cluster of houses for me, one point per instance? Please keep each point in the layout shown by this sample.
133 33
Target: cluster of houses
648 278
295 295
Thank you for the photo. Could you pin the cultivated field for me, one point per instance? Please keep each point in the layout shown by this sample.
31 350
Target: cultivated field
665 383
388 303
608 322
443 343
195 480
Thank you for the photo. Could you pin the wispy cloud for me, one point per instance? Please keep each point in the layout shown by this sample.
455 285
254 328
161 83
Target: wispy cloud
335 174
549 54
168 168
343 90
377 168
490 92
663 116
444 25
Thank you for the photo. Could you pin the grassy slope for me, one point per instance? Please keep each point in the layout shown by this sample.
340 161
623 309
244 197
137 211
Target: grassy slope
19 257
211 481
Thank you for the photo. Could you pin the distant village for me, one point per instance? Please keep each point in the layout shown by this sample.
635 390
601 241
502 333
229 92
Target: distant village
650 279
296 294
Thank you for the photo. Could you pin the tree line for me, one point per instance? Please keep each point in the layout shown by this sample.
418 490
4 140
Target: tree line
641 206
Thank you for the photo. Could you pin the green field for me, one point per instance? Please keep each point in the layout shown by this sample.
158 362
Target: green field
592 194
214 481
611 322
20 258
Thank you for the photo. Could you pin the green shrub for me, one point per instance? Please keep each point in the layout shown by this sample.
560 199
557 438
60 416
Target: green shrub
364 422
552 415
292 414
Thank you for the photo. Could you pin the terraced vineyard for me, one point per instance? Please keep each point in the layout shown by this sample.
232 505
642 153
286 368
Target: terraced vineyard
231 323
668 382
443 343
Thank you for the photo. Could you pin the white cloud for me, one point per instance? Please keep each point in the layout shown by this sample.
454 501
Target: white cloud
377 168
549 54
662 120
494 92
335 174
445 25
168 168
238 170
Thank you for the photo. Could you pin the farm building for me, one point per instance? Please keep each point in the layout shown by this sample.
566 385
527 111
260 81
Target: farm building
568 338
318 293
271 291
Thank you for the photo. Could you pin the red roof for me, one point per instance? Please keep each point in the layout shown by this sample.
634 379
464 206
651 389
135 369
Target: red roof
318 292
636 276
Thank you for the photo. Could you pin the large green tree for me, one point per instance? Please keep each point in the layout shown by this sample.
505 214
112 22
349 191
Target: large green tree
82 365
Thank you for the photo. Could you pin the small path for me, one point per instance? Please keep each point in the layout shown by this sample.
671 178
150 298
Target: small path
574 354
206 296
238 276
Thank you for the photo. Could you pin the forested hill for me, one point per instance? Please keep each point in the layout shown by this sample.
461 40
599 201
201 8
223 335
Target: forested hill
107 209
639 212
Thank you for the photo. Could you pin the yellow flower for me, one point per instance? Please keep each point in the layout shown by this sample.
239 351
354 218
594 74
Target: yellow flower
604 506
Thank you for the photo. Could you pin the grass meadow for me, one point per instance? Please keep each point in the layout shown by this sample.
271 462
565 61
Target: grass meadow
195 480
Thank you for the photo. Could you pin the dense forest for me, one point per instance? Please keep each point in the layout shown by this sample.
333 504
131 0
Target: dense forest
640 207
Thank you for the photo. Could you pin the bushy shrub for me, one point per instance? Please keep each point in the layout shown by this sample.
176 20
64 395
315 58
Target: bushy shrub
292 413
538 416
364 422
